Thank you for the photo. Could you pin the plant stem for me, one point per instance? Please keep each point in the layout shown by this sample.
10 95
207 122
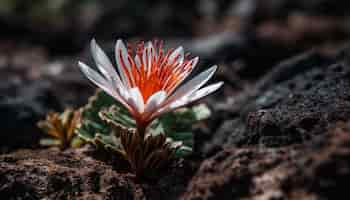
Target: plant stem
141 129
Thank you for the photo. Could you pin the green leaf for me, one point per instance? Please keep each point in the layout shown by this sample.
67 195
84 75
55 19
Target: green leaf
178 126
93 128
116 115
201 112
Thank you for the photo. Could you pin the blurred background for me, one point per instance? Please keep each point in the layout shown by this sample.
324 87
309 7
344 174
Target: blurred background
41 42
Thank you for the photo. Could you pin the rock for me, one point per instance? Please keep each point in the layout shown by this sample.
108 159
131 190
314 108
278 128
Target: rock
299 99
318 170
324 173
21 106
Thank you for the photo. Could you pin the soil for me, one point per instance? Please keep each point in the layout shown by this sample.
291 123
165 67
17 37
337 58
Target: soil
74 174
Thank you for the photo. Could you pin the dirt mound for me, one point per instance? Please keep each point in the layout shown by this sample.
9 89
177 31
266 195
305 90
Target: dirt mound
52 174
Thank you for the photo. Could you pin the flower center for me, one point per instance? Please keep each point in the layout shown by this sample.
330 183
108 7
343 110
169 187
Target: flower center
153 71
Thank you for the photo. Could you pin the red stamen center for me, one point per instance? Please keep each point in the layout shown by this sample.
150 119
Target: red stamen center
156 71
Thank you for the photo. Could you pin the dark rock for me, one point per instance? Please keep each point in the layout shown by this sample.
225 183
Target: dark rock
229 174
298 100
325 172
320 170
21 106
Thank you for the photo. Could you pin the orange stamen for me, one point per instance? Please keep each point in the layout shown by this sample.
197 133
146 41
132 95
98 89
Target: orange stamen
160 75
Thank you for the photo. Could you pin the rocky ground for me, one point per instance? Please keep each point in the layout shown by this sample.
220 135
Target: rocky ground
280 127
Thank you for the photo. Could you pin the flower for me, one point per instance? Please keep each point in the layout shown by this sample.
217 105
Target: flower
147 82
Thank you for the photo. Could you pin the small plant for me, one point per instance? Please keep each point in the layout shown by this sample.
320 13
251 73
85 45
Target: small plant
147 87
61 127
146 154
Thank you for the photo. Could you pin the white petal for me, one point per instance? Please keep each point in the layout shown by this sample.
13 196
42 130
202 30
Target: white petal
189 99
177 56
174 105
195 62
205 91
192 85
98 80
148 54
105 66
155 101
102 61
121 54
99 55
95 77
138 61
136 100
